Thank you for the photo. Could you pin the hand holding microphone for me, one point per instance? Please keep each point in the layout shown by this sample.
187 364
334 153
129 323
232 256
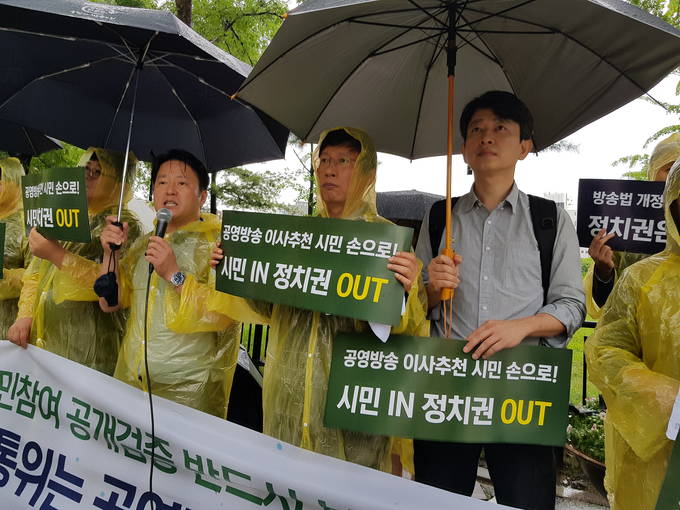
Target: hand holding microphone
159 253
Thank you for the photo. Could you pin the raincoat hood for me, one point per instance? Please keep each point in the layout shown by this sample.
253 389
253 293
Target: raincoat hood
107 191
666 151
10 186
361 201
670 194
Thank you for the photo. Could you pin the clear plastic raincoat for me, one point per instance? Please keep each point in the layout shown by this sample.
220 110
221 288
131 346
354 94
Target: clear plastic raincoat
66 316
16 254
188 364
300 341
634 359
665 152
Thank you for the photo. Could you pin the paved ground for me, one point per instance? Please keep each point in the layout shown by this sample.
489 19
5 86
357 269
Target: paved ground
574 501
573 504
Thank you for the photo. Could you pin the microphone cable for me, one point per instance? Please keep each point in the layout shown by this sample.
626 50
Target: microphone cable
148 387
163 216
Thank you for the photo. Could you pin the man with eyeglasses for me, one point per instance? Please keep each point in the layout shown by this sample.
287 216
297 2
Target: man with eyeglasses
301 341
57 311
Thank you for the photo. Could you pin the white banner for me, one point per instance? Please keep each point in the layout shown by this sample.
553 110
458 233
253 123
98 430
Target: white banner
71 437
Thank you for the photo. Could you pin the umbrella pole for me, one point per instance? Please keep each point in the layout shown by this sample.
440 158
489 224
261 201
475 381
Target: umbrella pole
446 295
449 169
127 147
213 189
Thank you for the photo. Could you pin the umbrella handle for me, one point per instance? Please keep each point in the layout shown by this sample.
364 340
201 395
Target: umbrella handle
116 247
446 294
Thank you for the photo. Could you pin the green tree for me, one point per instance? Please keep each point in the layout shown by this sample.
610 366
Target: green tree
239 188
242 28
66 158
303 181
669 11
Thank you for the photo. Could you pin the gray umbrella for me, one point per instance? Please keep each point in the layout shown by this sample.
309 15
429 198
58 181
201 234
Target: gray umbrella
408 205
17 139
381 66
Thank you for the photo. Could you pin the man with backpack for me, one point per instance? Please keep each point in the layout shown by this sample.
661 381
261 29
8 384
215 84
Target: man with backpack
518 280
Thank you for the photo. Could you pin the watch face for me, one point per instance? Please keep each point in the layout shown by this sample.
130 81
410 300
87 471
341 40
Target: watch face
177 279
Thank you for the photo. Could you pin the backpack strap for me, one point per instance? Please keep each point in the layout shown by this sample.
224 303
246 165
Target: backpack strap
438 222
544 220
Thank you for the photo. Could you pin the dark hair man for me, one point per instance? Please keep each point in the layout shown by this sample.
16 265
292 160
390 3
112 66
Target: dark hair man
499 301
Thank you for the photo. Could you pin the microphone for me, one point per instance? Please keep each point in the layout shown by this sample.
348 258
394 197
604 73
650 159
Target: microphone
163 217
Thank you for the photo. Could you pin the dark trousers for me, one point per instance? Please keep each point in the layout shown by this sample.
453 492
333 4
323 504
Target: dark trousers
523 476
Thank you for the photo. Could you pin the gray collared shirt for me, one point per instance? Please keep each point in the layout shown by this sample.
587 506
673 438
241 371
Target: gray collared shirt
500 277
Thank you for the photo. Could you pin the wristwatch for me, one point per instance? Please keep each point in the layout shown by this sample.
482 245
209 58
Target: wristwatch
177 278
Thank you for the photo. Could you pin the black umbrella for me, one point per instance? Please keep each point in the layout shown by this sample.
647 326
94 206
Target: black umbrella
119 77
17 139
382 66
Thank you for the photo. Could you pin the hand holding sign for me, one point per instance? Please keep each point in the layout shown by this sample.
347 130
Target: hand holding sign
20 332
405 267
602 254
46 249
216 256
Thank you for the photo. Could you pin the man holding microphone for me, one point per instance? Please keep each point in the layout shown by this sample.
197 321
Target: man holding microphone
186 363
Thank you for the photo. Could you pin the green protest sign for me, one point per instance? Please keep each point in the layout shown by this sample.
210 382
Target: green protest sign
327 265
55 201
428 388
2 248
669 497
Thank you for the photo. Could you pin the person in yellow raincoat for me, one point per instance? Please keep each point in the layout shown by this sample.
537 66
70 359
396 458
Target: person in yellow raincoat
16 253
187 364
300 341
57 310
609 264
634 359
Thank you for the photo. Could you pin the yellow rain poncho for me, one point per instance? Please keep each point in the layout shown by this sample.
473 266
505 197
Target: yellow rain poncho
300 342
634 359
665 152
66 316
188 364
16 255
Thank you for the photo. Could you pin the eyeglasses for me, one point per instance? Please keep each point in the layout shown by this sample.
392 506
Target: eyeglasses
341 162
92 172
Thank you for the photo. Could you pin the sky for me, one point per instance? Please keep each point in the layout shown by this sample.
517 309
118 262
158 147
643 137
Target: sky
621 133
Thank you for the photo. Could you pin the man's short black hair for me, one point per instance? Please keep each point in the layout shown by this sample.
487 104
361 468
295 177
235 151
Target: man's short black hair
185 157
504 105
340 138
